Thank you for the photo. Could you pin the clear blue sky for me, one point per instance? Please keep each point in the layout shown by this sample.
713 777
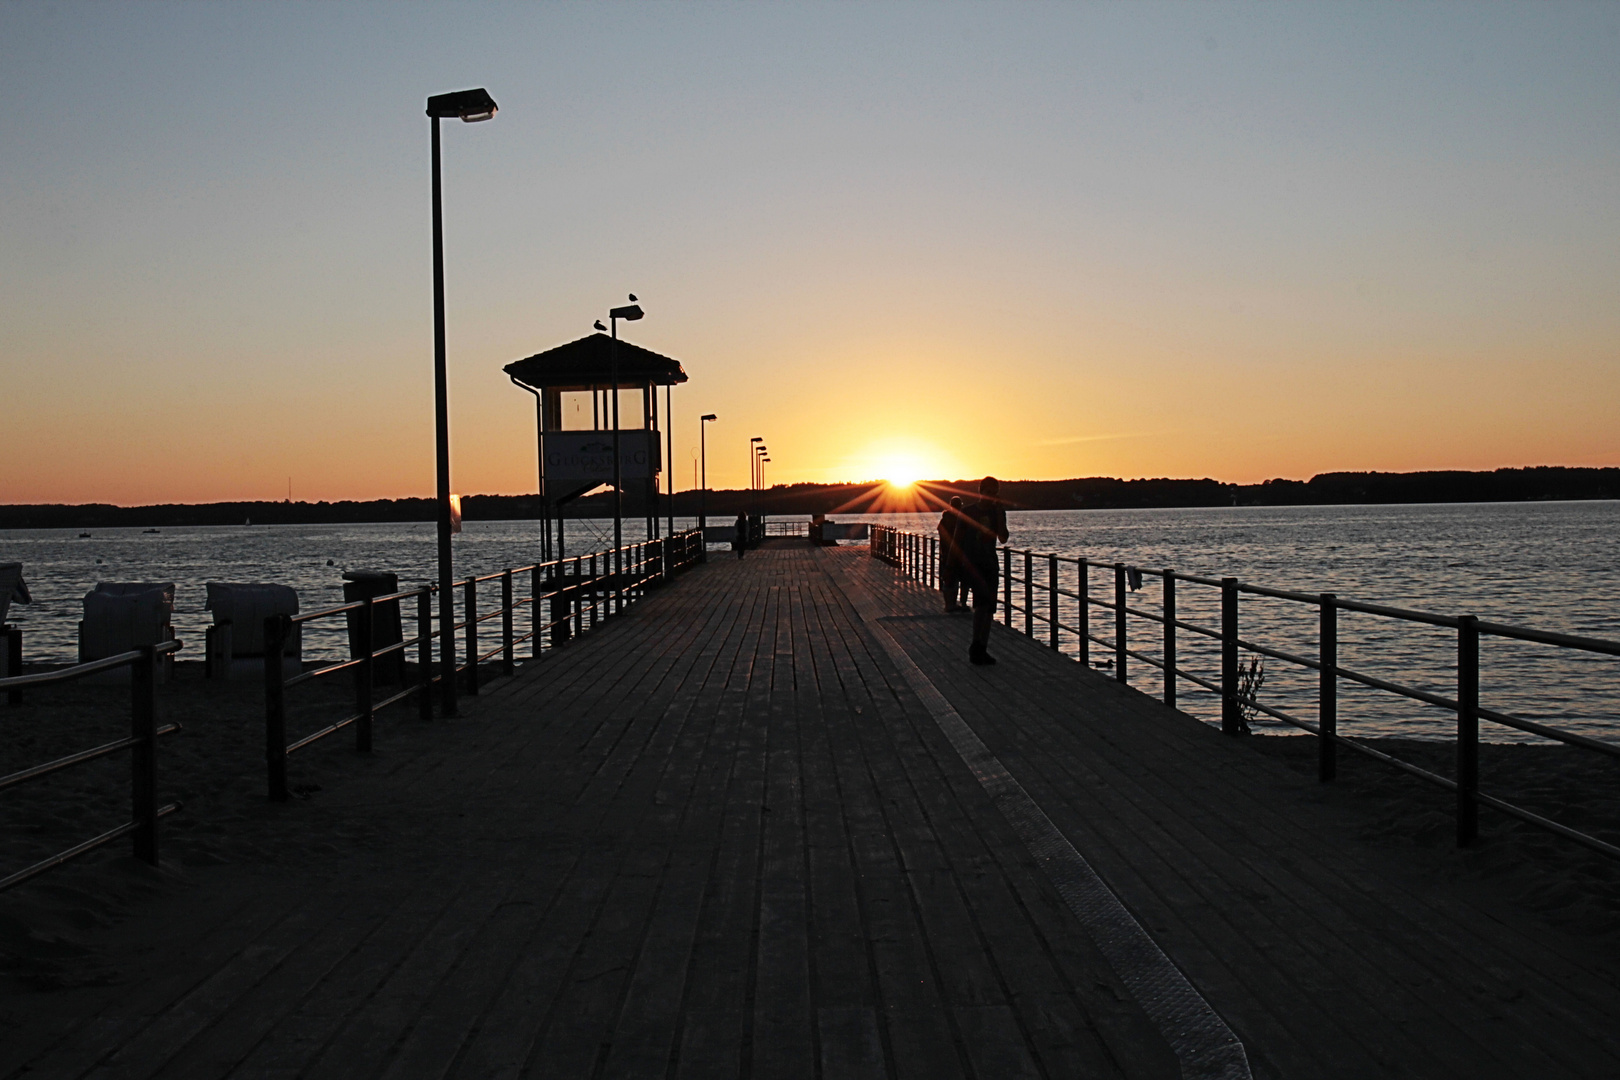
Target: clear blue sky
1234 240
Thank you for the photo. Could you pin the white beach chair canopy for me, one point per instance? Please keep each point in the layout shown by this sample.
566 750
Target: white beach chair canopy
119 615
13 589
245 607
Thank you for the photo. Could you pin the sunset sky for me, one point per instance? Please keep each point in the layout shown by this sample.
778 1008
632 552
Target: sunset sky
1041 240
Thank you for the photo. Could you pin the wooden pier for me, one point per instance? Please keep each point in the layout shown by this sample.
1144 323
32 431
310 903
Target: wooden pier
771 823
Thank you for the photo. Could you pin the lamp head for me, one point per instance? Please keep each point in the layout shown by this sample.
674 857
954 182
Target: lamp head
708 416
757 438
629 313
468 105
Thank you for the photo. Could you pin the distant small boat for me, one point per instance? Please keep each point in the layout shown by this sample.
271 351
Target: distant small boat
84 536
149 532
249 521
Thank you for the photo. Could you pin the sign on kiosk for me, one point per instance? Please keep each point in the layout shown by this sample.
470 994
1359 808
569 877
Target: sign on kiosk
588 455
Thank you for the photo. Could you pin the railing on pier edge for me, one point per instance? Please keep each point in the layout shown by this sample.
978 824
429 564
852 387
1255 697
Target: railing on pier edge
787 528
583 591
917 555
142 745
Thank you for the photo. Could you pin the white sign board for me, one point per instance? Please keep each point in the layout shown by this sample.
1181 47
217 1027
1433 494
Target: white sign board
588 455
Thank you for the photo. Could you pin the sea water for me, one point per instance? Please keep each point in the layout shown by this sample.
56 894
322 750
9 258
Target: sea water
1551 566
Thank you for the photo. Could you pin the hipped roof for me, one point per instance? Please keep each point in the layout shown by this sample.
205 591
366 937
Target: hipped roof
589 362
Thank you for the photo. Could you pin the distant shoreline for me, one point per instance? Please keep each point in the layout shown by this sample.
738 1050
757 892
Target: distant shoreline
1536 484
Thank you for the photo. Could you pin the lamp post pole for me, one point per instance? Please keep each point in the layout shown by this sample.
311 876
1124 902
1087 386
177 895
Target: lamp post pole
753 472
470 106
630 313
703 454
669 447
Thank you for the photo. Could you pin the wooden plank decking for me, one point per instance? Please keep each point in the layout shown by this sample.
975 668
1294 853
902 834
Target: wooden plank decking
725 836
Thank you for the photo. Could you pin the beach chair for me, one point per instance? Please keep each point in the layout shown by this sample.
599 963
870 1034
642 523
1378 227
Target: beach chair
12 590
236 639
120 615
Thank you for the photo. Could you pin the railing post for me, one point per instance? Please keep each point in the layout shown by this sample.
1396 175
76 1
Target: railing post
1006 586
1467 729
143 755
1327 689
363 679
14 664
1052 598
1170 637
275 707
1231 711
509 656
470 603
424 653
595 599
1120 630
1083 617
536 616
1029 598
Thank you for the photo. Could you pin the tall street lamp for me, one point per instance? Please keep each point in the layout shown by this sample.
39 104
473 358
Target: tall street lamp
469 106
753 472
703 453
629 313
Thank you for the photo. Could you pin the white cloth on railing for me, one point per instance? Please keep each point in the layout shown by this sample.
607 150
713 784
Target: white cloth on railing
119 615
245 607
13 590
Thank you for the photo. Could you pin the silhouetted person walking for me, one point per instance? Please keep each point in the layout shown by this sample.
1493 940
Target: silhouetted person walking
981 527
950 559
739 543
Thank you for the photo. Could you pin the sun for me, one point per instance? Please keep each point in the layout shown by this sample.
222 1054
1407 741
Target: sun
901 471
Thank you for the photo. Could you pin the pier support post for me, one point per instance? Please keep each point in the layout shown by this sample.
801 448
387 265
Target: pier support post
1169 637
1467 729
1121 631
1327 690
143 755
1231 712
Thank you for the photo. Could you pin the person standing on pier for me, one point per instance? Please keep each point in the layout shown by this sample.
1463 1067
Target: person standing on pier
981 526
950 562
739 542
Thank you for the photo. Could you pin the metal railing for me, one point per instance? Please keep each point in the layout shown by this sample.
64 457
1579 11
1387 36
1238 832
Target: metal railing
142 745
787 528
583 591
917 555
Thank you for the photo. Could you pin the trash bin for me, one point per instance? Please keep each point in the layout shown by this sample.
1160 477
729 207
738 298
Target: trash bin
385 627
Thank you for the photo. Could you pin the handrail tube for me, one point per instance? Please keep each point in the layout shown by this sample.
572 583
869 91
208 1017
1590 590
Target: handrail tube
1547 823
89 667
80 849
1533 728
36 771
1549 637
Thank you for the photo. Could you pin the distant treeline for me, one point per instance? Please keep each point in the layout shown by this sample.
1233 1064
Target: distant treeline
1089 493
